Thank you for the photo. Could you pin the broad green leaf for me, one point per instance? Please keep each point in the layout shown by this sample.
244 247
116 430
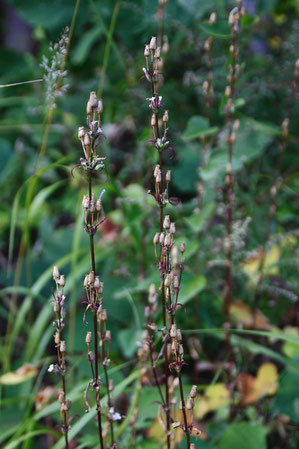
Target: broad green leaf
197 222
244 436
191 287
197 127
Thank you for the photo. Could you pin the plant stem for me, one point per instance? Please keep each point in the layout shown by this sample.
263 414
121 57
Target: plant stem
184 411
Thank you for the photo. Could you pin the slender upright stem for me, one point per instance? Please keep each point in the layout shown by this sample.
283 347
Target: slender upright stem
184 411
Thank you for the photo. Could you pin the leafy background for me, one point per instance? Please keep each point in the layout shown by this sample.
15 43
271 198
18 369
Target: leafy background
41 221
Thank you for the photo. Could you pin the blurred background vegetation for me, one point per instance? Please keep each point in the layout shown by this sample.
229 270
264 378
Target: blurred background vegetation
41 218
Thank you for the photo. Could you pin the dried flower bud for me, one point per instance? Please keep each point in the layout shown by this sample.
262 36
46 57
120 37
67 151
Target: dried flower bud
165 117
57 338
182 247
103 315
167 281
62 346
86 279
97 282
176 282
108 335
85 202
92 204
55 273
101 288
62 280
147 51
88 338
168 176
172 331
179 335
162 238
190 404
154 120
166 223
91 277
175 255
193 392
61 397
88 108
158 177
93 100
167 241
56 307
158 53
81 132
100 106
156 238
153 43
212 18
152 290
172 228
98 205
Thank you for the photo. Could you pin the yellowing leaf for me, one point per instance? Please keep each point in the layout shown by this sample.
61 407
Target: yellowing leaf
215 397
252 266
157 430
245 317
25 372
264 384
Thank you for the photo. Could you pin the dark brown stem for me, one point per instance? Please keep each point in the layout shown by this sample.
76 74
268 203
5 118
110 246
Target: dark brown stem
187 431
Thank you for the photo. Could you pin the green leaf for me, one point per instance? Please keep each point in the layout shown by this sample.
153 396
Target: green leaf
191 287
197 222
84 46
198 126
287 397
219 29
244 436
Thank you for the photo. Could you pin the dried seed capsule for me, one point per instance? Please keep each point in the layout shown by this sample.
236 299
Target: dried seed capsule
87 142
62 280
179 335
228 91
86 280
111 385
190 404
98 206
152 290
156 238
93 100
57 338
158 177
147 51
108 335
103 315
193 392
162 237
153 43
91 277
55 273
88 108
101 288
176 283
175 255
97 282
81 132
165 117
167 241
172 228
158 53
182 247
168 176
61 397
100 106
56 307
88 338
154 120
85 202
167 281
166 223
62 346
172 331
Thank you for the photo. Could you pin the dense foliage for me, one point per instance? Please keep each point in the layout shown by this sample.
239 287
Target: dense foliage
247 399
